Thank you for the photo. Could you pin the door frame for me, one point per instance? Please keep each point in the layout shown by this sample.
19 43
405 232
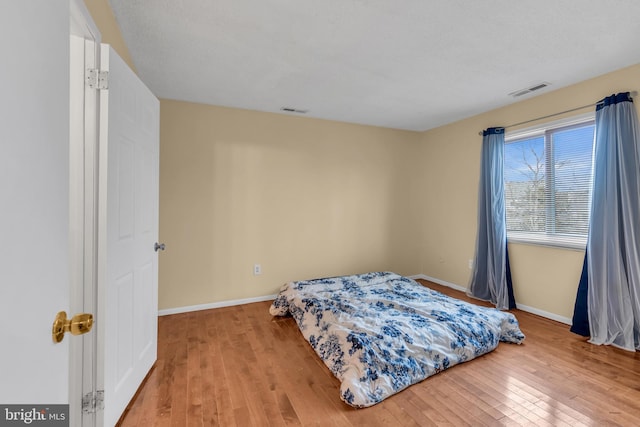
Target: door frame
84 38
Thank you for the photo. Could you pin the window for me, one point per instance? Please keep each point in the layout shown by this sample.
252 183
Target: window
548 179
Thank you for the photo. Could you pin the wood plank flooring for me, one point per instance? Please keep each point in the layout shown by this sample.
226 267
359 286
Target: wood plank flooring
238 366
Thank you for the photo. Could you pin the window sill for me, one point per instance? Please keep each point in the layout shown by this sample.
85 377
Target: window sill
561 242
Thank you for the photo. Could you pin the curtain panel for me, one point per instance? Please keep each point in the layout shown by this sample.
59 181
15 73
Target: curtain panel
491 275
610 280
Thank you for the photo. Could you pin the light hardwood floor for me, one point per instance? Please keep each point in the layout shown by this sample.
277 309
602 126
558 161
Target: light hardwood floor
238 366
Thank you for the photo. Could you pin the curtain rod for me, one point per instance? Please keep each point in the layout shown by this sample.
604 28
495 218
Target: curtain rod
633 95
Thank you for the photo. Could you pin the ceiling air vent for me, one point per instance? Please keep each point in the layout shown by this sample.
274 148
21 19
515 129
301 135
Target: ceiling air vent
294 110
525 91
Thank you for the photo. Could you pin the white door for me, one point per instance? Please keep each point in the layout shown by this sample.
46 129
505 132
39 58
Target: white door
128 226
34 200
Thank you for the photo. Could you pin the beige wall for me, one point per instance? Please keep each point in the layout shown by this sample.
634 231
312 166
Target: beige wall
544 278
295 195
303 197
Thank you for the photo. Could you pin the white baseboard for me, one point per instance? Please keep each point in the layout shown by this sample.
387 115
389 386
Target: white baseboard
522 307
220 304
440 282
230 303
545 314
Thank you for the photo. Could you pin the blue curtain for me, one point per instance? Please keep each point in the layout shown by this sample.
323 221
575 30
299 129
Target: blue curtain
491 276
580 321
610 280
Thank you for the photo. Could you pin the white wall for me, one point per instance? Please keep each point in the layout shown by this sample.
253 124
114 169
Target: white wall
34 254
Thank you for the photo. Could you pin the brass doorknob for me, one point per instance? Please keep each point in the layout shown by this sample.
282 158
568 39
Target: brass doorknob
77 325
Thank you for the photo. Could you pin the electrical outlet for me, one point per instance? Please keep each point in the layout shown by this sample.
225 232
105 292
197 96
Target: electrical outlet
257 269
470 264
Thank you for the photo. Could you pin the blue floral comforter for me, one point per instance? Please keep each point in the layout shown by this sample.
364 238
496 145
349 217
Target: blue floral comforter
380 332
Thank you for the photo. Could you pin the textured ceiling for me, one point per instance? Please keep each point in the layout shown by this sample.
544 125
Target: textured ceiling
407 64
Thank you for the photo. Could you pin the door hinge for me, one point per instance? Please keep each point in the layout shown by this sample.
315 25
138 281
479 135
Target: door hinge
97 79
93 401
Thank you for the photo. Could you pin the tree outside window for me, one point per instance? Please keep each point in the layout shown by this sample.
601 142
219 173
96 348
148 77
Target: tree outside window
548 178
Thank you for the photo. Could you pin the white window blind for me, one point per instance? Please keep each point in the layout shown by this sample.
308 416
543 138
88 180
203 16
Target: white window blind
548 180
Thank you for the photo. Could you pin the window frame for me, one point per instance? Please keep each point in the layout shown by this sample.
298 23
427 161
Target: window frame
546 129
